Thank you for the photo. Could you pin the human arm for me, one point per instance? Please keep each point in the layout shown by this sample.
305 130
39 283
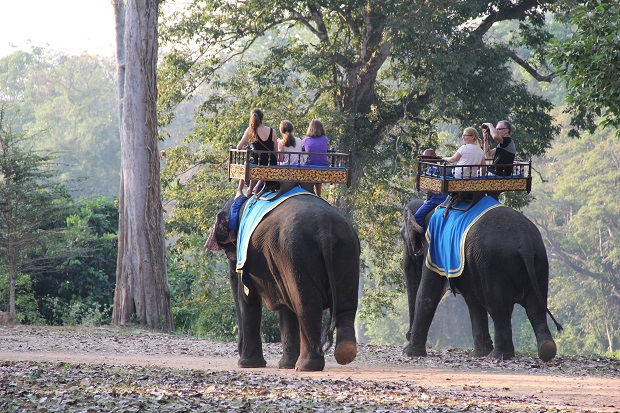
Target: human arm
488 151
280 149
453 158
244 139
493 132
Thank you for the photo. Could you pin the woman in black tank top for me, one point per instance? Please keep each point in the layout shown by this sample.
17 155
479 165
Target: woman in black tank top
251 135
268 145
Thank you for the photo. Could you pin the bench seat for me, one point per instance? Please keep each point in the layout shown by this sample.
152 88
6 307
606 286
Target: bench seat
338 170
521 180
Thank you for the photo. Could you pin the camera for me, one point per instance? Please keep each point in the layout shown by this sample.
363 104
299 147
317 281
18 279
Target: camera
484 127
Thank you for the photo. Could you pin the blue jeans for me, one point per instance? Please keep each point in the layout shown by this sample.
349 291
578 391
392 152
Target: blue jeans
427 207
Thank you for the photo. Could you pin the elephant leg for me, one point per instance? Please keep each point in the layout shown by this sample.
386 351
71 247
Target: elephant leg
504 347
251 354
289 334
311 357
537 315
234 286
346 343
432 288
483 345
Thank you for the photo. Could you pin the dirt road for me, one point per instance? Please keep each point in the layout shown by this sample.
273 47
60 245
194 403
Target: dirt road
567 383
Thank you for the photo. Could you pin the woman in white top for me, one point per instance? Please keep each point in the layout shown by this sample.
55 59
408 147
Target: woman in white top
469 154
288 143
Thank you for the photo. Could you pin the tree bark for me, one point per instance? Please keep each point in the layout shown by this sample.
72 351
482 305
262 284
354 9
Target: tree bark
142 293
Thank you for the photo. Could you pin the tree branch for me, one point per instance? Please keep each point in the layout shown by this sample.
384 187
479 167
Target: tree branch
529 69
514 11
571 262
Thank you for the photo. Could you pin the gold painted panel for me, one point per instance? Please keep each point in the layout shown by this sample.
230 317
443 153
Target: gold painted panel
298 174
428 184
237 172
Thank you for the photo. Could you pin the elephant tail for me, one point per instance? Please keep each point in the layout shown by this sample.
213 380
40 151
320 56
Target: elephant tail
327 335
557 325
530 267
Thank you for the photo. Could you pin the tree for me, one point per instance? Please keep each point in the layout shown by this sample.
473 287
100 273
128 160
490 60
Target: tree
142 283
80 290
379 65
30 205
589 63
579 222
71 99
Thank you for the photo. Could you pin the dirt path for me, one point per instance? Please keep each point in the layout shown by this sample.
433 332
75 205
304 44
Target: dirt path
571 384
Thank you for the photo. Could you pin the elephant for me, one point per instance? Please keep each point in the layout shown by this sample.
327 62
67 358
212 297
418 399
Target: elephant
505 263
302 258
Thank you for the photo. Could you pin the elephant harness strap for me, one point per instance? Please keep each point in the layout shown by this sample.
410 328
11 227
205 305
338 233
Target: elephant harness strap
461 201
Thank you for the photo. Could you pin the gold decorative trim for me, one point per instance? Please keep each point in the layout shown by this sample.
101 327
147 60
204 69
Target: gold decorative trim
429 184
237 172
490 184
338 170
436 184
298 174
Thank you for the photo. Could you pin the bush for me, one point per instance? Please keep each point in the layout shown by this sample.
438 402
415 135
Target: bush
77 313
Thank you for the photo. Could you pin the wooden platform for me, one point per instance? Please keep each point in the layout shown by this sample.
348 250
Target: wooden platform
477 178
242 166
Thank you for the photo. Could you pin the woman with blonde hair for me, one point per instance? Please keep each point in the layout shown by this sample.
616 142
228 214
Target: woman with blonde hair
470 153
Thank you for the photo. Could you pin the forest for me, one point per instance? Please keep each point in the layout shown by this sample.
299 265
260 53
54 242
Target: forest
387 81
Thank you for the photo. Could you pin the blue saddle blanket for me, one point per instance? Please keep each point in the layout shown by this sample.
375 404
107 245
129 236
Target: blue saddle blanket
252 215
446 236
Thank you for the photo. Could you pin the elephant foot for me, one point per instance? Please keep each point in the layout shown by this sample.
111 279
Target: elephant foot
345 352
288 361
252 363
547 350
481 352
411 351
501 355
312 364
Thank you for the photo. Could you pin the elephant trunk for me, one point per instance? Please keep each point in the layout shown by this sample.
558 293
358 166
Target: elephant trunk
211 244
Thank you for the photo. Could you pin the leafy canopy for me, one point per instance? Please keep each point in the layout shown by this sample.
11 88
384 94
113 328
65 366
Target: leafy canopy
589 63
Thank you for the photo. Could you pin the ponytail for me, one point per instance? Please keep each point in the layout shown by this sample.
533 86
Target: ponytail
256 119
286 129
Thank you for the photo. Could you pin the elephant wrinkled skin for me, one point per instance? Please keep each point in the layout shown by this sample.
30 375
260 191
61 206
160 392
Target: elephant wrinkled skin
505 263
302 258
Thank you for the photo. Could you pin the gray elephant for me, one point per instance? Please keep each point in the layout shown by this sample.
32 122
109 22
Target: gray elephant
505 263
302 258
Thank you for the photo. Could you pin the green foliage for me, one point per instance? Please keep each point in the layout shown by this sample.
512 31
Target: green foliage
65 250
85 281
589 63
76 313
580 227
25 301
387 327
202 300
71 103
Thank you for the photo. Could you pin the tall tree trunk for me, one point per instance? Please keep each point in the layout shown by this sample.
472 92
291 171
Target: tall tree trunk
141 281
